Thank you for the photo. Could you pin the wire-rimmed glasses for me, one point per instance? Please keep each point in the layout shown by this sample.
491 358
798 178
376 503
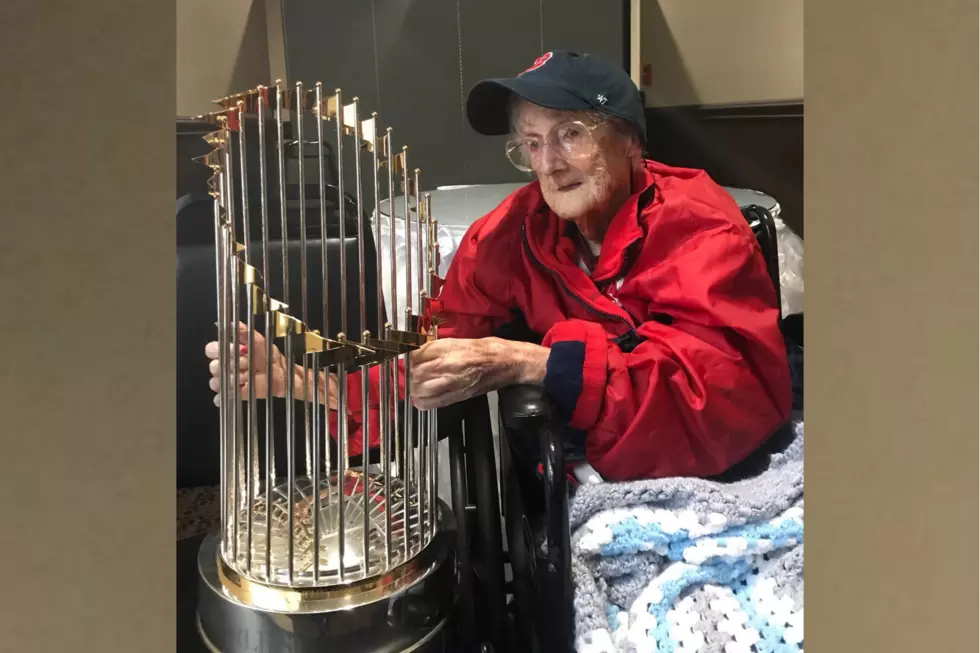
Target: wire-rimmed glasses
572 140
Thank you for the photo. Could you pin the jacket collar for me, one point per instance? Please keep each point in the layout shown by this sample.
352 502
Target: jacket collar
549 235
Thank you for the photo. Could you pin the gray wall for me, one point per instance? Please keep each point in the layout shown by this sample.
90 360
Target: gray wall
413 61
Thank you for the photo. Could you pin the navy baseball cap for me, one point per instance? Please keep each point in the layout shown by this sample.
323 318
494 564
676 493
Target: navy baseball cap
558 80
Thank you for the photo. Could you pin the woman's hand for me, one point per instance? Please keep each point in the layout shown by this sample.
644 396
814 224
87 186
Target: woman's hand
447 371
327 391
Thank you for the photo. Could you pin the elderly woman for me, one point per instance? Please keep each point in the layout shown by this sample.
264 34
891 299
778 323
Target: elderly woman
648 314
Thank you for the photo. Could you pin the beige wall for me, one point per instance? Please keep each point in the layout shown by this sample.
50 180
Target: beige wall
223 46
722 51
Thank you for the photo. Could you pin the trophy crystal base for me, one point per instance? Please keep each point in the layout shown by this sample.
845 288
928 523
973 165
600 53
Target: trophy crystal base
406 608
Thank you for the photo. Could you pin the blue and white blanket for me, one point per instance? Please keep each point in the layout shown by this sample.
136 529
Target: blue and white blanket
692 566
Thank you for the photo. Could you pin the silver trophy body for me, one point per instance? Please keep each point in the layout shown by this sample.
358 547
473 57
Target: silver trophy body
328 554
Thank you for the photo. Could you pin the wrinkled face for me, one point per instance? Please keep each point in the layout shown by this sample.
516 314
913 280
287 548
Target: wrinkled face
581 190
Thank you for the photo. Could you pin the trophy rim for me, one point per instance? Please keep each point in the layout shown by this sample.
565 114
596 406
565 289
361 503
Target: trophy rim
351 594
407 540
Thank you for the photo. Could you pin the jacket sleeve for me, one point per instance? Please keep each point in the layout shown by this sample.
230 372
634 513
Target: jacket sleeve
695 396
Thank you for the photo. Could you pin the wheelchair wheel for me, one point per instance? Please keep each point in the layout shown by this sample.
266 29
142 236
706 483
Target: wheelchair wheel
480 563
521 548
536 518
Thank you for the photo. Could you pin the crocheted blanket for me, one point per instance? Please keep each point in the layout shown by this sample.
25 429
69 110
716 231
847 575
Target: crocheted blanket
689 565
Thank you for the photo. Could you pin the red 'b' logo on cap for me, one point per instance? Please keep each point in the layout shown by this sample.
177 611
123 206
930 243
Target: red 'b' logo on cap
540 61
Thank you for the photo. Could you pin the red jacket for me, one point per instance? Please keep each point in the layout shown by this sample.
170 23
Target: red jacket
680 368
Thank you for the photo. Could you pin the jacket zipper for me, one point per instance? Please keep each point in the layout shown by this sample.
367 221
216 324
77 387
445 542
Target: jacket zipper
581 302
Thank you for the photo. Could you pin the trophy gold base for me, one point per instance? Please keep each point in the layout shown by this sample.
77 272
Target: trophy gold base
409 610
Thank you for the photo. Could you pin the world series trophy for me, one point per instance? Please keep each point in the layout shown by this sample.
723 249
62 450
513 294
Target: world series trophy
333 555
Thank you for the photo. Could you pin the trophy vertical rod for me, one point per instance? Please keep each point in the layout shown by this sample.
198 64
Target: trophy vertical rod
221 246
289 375
433 461
342 462
434 457
300 104
240 471
270 462
251 454
316 470
243 178
425 416
406 183
280 158
291 454
422 416
252 482
393 294
342 465
342 206
223 355
384 423
362 306
430 265
321 168
231 325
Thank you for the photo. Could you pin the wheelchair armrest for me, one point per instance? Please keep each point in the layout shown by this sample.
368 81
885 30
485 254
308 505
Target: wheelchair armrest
524 408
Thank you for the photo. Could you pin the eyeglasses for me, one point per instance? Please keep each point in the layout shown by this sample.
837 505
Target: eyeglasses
573 141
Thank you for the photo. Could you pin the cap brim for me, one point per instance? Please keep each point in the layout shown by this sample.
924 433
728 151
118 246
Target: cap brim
486 106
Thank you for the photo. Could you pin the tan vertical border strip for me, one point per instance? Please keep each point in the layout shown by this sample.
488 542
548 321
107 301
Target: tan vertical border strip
87 327
891 179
